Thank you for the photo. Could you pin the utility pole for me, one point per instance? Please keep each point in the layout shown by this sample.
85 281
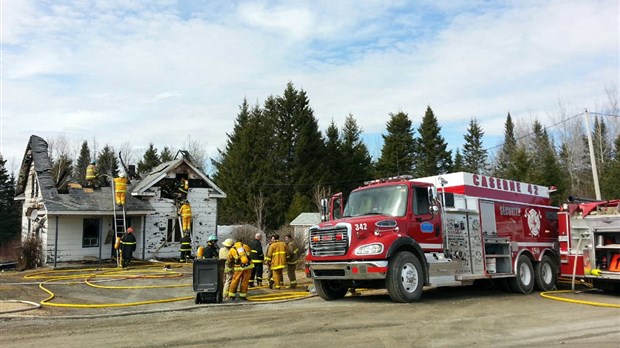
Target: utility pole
597 188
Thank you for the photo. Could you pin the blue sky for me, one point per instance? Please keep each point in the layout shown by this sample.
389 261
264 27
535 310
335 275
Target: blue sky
134 72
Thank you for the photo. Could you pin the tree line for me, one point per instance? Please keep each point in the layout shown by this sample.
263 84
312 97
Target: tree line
276 162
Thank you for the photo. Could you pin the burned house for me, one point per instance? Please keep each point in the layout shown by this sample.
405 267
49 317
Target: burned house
76 223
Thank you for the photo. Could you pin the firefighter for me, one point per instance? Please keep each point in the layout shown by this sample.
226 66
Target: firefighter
91 174
128 246
186 216
292 254
269 274
239 261
276 255
186 248
228 272
183 188
212 250
257 256
120 188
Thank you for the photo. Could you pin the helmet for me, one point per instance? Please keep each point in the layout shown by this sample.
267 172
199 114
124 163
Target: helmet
121 175
228 242
130 230
212 238
93 162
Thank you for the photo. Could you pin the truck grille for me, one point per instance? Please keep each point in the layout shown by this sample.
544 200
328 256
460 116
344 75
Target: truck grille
329 241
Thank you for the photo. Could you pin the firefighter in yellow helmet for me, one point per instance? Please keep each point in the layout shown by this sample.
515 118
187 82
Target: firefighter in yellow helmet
228 272
239 261
186 216
120 189
292 254
183 188
276 257
91 174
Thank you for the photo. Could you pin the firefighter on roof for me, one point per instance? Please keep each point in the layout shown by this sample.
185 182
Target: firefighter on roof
276 257
120 189
186 248
91 173
292 254
239 261
183 188
186 216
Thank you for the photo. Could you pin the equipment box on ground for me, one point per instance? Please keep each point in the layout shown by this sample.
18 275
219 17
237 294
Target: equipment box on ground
208 283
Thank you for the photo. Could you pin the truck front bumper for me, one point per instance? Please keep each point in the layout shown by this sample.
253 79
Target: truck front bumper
358 270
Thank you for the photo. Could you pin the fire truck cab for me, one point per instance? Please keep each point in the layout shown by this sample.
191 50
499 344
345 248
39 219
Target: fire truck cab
402 234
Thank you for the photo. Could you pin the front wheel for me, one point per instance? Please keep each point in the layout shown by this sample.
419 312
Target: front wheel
405 278
523 283
330 289
546 274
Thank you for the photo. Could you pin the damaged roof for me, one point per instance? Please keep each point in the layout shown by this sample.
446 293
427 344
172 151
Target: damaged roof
98 201
167 169
36 152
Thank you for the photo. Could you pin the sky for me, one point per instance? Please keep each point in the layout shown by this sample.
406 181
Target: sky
170 72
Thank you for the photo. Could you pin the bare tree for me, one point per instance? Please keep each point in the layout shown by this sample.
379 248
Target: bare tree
318 193
128 153
62 153
198 150
258 205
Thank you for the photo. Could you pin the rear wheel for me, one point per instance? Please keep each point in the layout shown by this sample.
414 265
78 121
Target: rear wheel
330 289
546 274
523 283
405 278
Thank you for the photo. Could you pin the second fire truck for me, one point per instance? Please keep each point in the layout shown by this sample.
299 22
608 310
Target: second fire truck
402 234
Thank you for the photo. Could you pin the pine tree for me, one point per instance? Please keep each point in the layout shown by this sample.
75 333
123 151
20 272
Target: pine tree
458 162
10 223
505 159
107 165
610 181
545 168
474 155
333 158
356 164
431 154
166 155
149 161
83 161
397 153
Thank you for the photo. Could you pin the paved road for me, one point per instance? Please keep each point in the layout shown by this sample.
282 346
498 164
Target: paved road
468 316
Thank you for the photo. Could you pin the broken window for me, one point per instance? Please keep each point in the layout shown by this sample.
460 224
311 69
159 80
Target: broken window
90 233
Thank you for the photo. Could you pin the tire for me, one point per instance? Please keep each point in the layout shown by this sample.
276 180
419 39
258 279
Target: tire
523 282
330 289
545 274
405 278
197 300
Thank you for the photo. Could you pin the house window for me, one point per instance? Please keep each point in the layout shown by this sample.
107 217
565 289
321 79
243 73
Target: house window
174 231
90 233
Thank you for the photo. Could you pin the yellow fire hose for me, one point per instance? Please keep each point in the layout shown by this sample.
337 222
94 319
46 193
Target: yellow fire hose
551 295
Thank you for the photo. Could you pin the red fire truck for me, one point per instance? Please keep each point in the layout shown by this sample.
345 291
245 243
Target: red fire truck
589 237
402 234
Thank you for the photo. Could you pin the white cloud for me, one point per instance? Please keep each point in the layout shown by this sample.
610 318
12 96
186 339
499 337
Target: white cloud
159 72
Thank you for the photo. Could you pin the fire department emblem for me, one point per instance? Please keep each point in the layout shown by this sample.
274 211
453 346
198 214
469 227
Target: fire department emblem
533 221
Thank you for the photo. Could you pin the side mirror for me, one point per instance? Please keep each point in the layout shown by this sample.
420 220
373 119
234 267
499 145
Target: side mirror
324 212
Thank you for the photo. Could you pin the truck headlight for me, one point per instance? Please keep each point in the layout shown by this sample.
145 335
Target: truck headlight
369 249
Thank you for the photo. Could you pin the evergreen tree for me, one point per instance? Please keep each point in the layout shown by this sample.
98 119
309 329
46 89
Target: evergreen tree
610 181
10 223
520 165
166 155
107 165
356 164
300 204
82 162
149 161
60 165
397 153
431 154
333 158
474 155
459 165
545 168
505 160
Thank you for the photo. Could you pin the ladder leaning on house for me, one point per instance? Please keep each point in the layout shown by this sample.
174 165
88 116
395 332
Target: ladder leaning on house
120 224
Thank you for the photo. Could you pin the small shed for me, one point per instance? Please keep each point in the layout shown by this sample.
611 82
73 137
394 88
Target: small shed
303 222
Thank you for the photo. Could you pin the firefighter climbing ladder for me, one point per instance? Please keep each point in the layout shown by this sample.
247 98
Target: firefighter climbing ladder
120 228
190 232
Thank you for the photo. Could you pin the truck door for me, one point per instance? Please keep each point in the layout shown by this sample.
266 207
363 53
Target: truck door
425 224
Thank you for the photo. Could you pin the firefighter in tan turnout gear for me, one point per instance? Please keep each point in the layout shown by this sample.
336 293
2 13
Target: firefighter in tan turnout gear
292 254
239 261
276 258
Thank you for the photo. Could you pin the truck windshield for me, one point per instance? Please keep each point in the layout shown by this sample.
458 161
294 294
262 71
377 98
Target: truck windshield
381 200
